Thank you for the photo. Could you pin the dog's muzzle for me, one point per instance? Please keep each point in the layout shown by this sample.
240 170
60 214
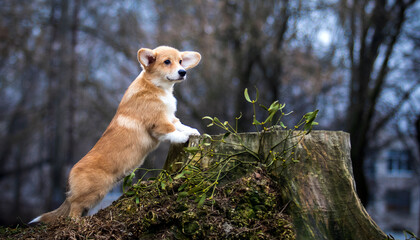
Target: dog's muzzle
181 73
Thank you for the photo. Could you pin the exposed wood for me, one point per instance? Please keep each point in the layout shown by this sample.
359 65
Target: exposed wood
319 190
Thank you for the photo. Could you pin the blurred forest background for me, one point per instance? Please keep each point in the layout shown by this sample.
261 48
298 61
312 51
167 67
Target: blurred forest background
65 65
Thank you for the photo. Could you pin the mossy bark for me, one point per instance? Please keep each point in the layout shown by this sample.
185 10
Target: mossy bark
318 187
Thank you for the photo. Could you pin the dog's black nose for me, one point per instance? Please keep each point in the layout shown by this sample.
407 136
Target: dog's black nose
182 72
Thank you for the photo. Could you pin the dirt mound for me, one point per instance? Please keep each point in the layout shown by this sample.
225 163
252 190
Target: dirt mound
247 208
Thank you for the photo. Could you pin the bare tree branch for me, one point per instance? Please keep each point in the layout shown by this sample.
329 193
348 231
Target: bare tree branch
393 112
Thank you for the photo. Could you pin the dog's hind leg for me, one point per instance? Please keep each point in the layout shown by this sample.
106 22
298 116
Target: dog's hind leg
86 190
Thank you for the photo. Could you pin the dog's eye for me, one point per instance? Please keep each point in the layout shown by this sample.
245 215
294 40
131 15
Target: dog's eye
180 61
167 62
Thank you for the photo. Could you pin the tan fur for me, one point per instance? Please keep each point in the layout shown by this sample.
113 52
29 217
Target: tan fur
145 116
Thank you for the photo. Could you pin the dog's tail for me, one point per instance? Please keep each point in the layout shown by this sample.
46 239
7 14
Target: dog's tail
49 217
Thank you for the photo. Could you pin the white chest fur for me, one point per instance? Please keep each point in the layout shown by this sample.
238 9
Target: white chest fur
170 102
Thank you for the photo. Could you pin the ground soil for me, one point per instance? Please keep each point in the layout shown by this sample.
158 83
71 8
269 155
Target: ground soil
247 208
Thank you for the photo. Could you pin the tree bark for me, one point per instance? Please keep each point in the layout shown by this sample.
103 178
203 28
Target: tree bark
318 191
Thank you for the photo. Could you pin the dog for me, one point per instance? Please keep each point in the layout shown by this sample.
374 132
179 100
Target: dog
144 118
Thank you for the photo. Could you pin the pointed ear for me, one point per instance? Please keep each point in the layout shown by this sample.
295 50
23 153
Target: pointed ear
190 59
146 57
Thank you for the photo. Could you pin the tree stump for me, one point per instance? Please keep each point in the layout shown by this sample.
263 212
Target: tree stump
317 189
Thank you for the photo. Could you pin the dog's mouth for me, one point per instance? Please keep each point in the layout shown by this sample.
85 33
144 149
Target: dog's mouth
176 79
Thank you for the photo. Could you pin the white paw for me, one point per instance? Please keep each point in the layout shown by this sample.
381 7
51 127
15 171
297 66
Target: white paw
176 137
193 131
185 129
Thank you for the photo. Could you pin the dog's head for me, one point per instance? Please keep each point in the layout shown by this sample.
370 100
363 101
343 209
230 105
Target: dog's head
166 64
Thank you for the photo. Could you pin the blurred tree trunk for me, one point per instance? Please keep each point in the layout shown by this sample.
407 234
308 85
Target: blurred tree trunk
12 130
72 83
18 182
417 127
16 151
61 84
272 67
369 34
18 133
249 43
243 55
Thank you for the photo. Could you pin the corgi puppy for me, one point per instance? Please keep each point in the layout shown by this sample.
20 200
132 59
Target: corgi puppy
144 118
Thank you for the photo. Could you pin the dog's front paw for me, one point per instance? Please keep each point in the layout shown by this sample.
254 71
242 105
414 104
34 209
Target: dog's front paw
177 137
185 129
193 131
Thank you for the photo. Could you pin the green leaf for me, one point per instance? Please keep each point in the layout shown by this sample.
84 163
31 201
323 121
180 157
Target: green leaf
131 176
129 193
202 200
258 94
195 189
263 107
307 114
310 116
240 116
205 135
270 117
192 150
255 122
207 117
282 125
282 105
162 185
274 106
128 180
179 175
182 187
247 95
409 232
226 135
193 168
137 200
182 194
307 128
216 120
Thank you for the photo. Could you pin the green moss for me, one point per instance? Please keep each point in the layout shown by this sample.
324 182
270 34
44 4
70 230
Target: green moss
246 208
191 228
